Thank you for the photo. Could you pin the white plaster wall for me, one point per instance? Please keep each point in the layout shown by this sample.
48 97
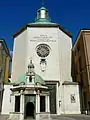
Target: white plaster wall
67 106
19 56
52 70
6 104
58 61
65 46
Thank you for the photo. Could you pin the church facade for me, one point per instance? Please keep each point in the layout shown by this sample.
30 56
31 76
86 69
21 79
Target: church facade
49 46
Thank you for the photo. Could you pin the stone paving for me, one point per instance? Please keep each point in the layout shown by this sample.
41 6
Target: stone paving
4 117
71 117
62 117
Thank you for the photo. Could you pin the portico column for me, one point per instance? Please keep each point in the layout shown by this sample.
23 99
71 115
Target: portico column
37 102
48 105
22 105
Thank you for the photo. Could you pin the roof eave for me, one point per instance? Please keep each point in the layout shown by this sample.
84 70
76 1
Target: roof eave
42 25
5 47
79 35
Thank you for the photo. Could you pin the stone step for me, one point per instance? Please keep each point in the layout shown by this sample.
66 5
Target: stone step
4 117
29 118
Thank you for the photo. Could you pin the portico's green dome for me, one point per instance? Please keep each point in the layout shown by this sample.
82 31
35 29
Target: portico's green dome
22 79
37 79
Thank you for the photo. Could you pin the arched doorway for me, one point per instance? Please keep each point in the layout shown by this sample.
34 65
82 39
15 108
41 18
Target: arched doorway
30 109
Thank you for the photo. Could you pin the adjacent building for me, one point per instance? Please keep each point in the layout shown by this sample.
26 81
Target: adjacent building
81 67
4 67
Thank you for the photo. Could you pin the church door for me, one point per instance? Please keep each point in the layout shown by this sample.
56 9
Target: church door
30 109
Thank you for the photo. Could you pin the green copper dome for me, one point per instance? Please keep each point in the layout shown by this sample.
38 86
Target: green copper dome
22 79
37 79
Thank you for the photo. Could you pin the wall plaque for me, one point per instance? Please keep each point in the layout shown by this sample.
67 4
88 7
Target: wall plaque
73 100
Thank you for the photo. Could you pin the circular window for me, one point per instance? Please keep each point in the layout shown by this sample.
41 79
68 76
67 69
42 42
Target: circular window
43 50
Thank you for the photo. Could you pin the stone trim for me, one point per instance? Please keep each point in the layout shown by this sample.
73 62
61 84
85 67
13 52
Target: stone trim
69 83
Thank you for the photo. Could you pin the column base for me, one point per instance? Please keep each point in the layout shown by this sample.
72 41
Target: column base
16 116
43 116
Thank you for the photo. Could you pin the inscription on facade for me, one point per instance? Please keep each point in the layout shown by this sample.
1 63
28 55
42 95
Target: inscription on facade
43 38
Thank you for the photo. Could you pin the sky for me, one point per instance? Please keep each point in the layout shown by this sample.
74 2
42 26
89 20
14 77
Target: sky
73 15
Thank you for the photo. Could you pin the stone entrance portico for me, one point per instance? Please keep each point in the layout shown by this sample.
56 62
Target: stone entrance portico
30 98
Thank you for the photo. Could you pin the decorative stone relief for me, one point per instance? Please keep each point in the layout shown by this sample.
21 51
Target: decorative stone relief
73 100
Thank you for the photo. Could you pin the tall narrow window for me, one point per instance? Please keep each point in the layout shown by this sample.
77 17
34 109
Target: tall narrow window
17 103
42 103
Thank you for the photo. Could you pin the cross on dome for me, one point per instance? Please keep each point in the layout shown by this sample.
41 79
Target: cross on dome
42 2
